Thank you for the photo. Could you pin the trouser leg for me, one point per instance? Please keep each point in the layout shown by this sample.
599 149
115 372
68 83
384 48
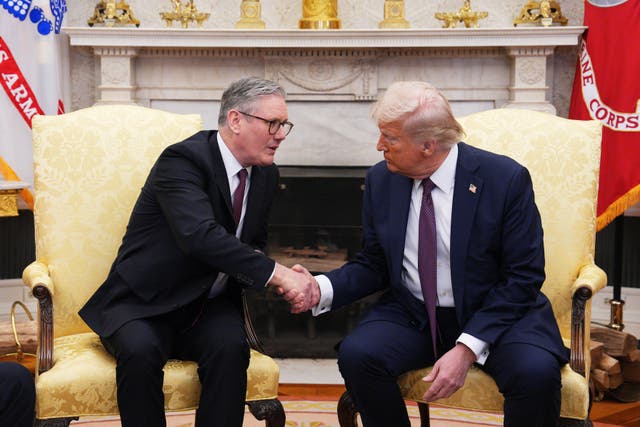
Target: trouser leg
141 349
529 378
17 395
371 358
218 343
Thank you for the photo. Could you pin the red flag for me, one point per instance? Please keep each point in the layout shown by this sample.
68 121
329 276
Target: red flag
607 88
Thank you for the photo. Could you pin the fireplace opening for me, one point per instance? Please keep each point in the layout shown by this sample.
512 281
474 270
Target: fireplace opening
315 221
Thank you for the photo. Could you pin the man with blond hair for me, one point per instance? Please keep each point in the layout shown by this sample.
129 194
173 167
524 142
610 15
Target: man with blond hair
453 239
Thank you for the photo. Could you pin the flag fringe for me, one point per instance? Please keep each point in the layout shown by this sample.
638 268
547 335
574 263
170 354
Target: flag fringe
10 175
618 207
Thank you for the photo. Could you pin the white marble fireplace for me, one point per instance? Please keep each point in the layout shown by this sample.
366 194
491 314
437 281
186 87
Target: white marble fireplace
331 77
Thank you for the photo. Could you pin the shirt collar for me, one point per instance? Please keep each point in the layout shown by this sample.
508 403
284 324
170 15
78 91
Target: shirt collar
444 176
231 164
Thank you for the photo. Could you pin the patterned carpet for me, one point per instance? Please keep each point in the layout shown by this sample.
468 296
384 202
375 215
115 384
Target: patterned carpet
322 413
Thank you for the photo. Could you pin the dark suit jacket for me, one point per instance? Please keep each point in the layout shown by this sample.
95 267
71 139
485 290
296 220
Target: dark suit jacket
181 234
497 255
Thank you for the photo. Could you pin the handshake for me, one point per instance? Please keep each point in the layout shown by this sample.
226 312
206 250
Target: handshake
297 286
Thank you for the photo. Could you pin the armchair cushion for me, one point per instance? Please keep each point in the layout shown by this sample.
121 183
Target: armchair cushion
481 393
82 380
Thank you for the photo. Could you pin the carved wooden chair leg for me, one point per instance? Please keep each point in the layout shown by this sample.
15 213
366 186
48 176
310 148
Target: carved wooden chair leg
55 422
347 411
424 414
270 410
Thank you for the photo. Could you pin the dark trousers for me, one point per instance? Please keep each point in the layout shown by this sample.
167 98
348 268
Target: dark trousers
17 396
210 333
377 351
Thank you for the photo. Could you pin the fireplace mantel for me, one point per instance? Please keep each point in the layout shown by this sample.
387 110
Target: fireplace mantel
305 39
331 77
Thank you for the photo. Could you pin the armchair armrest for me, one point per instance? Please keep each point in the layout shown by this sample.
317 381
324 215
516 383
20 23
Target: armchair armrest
590 280
36 276
592 277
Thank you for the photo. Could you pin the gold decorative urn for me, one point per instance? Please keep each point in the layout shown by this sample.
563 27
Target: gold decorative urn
319 15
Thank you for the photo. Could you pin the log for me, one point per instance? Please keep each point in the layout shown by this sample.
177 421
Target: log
633 356
615 381
596 351
600 379
609 364
26 334
616 343
631 371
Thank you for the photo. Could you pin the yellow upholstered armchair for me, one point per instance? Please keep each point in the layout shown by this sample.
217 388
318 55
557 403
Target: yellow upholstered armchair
563 157
89 168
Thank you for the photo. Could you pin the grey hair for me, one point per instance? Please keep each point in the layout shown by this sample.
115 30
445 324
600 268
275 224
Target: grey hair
426 113
242 94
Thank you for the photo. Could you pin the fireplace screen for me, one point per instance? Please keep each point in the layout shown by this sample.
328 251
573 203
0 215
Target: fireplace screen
315 221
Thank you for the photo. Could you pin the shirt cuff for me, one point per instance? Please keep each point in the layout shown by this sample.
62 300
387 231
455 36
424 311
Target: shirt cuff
272 273
479 347
326 295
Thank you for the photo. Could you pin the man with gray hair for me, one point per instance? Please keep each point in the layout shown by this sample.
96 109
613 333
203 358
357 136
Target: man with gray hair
453 239
194 241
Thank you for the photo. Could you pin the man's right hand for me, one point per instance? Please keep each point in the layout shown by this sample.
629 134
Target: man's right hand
297 287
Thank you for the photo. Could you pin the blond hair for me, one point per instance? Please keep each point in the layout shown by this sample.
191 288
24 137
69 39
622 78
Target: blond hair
425 111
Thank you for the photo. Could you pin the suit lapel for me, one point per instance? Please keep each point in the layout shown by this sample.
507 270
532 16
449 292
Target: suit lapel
399 202
254 201
220 174
467 190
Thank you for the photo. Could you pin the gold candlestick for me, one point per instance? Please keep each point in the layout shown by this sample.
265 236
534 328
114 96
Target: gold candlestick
319 15
464 14
394 15
112 12
184 13
540 12
250 11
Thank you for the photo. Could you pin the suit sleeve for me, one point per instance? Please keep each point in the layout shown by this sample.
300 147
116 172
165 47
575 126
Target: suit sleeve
519 264
180 184
367 272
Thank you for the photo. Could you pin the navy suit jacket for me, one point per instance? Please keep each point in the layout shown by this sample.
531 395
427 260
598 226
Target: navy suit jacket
497 254
181 234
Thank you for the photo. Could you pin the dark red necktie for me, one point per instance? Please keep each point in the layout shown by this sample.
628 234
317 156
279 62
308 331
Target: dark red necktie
427 256
238 195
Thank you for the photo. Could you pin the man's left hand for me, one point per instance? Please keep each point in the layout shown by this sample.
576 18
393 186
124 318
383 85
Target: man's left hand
449 372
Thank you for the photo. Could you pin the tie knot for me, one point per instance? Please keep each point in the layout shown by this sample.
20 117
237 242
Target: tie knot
427 185
242 174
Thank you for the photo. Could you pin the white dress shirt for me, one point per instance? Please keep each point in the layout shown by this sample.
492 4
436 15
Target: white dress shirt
232 166
442 195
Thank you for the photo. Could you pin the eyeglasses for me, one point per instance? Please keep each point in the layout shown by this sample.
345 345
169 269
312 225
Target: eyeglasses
274 125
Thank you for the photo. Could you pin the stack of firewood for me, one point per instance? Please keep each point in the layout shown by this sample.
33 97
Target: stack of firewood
615 359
